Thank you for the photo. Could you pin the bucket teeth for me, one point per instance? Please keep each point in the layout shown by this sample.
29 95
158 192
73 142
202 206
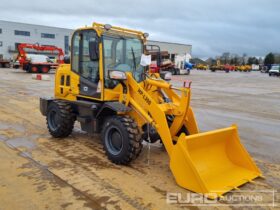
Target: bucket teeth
251 181
235 188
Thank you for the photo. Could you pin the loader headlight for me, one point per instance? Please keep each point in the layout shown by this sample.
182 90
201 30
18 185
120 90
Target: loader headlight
117 75
166 75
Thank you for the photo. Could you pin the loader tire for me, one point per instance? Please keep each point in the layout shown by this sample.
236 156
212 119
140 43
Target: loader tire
121 139
60 119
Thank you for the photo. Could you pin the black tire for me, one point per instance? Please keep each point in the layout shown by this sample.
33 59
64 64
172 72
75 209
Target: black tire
173 71
60 119
121 139
44 69
150 131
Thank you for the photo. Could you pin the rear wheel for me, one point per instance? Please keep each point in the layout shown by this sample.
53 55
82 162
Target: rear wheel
121 139
60 119
45 69
32 69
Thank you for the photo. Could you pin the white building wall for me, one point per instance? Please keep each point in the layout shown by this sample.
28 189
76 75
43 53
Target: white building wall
9 39
172 48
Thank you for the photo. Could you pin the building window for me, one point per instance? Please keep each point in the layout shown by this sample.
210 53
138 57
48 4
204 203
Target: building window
1 43
47 45
48 36
22 33
66 45
0 30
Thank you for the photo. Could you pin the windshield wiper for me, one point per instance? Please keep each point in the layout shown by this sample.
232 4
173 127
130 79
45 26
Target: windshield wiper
133 56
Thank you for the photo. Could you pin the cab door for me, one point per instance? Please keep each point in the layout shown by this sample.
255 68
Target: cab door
84 66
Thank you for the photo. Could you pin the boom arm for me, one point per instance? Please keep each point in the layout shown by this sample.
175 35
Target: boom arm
156 113
213 162
23 46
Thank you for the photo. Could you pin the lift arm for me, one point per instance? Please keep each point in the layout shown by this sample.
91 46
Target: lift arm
22 53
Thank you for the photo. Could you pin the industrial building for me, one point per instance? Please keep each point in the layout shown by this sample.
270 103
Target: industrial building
13 33
173 49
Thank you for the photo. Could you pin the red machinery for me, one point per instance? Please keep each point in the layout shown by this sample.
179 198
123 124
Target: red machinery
228 67
38 67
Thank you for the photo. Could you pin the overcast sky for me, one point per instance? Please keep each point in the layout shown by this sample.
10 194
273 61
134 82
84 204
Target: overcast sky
212 27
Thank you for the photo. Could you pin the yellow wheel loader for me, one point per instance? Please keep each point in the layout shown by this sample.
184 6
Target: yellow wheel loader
106 87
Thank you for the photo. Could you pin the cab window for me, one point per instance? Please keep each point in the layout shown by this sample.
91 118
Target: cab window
82 64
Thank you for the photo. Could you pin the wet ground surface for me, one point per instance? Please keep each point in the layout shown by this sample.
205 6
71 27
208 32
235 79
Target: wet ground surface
39 172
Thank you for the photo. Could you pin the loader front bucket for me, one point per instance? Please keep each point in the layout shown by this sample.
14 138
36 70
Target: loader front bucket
212 163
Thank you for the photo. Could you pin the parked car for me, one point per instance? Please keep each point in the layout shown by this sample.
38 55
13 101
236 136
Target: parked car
274 71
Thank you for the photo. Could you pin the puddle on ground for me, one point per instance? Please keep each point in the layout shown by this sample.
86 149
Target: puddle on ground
21 142
3 138
4 126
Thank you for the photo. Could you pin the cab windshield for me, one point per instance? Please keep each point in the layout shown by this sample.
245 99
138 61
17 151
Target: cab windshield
122 54
275 67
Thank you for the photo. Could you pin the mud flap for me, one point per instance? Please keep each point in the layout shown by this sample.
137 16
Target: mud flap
212 163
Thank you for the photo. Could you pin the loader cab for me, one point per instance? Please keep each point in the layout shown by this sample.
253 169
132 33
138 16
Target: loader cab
93 57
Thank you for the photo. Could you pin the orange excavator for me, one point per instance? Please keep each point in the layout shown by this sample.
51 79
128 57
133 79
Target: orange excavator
37 64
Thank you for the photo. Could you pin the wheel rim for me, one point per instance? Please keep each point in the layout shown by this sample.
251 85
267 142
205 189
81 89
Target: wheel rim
45 69
114 140
34 69
54 120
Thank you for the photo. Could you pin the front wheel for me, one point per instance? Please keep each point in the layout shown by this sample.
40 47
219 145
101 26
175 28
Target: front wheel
60 119
121 139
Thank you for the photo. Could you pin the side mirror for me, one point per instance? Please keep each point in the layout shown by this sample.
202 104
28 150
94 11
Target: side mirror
93 51
117 75
66 59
